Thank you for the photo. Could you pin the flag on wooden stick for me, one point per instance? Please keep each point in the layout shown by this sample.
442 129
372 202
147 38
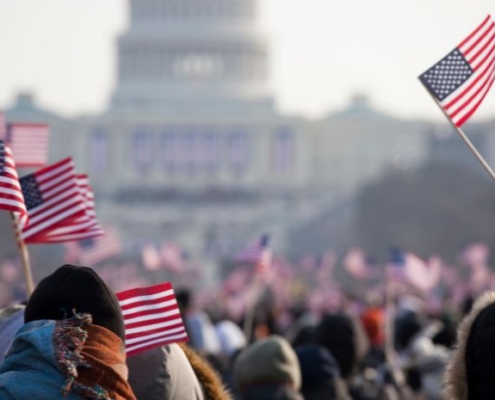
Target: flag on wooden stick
258 254
52 199
151 318
410 269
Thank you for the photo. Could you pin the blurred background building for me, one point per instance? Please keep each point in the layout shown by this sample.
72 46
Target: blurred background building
192 150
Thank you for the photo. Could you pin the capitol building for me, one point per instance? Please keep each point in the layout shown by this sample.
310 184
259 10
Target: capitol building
191 148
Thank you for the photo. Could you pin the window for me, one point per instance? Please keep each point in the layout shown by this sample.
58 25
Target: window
283 154
99 151
143 150
238 151
169 151
188 150
210 151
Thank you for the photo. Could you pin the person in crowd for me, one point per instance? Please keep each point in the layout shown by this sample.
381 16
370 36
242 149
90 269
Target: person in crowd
72 343
232 341
199 327
430 360
345 339
320 374
373 321
470 374
268 370
409 322
174 372
303 329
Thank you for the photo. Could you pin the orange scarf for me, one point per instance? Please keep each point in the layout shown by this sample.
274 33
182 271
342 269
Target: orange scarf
105 353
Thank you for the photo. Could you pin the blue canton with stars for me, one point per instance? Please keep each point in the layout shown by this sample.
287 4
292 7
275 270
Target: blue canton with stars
447 75
2 156
31 192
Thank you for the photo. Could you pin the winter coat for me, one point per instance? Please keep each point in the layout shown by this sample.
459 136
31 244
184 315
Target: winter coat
470 374
320 374
70 358
166 373
11 320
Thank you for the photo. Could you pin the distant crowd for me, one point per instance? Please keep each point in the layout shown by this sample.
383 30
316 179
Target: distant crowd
271 336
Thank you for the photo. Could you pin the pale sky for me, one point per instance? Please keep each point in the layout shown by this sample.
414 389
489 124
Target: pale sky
323 51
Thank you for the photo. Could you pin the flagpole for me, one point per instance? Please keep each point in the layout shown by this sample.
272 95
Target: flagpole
23 251
466 140
251 311
389 320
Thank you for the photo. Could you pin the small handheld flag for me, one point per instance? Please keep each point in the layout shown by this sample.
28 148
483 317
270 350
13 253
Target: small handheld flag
461 80
258 254
52 198
412 270
151 318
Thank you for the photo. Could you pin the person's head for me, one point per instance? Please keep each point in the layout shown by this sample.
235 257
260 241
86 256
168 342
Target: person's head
184 299
345 339
320 373
270 361
470 374
71 289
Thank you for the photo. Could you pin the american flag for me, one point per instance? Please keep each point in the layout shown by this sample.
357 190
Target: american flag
52 199
172 257
461 80
29 143
356 263
258 254
151 318
11 197
84 227
410 269
92 251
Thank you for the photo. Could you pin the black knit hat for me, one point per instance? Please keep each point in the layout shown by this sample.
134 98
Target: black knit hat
75 288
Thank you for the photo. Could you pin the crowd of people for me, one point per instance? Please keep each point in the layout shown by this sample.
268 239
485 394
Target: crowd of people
67 341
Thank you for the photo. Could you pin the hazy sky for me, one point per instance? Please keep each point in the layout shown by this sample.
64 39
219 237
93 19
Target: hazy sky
323 51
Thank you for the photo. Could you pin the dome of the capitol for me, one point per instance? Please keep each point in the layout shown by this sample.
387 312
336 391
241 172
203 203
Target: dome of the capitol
183 54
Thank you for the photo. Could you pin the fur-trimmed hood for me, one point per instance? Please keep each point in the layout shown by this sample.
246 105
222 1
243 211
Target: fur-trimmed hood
470 374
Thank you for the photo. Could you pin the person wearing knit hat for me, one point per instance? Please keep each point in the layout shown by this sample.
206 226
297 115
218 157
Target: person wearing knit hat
75 288
71 345
268 370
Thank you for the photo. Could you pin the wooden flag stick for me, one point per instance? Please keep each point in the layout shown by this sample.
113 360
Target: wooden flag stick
466 140
250 317
389 321
23 251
